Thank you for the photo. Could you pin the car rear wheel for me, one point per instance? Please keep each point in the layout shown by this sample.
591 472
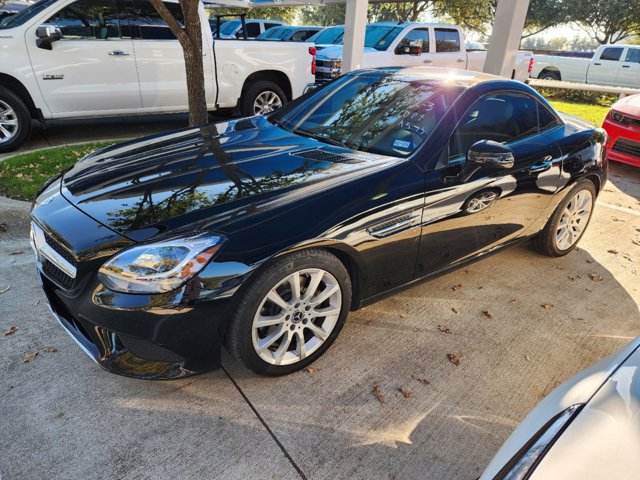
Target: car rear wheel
568 223
261 98
290 313
549 75
15 121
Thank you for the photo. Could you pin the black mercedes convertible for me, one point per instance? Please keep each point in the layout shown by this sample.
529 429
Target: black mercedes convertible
261 234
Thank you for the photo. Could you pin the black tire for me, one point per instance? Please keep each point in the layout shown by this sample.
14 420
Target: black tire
545 241
239 340
549 75
256 89
23 117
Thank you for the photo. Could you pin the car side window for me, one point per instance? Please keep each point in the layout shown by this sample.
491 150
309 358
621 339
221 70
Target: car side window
502 117
611 53
302 35
253 29
146 23
633 55
447 40
88 20
546 119
417 36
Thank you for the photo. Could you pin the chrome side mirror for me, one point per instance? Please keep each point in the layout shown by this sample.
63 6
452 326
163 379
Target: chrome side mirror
487 153
47 34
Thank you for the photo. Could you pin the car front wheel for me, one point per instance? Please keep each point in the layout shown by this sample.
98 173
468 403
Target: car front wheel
15 121
569 221
290 313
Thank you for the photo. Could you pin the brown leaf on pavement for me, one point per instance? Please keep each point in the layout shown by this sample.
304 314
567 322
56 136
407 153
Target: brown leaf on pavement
454 310
3 227
595 277
377 393
49 349
455 288
444 328
29 357
615 252
312 370
589 261
13 329
406 392
548 306
453 358
514 301
487 314
423 381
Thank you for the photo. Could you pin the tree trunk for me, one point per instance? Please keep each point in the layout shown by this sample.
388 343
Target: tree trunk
190 38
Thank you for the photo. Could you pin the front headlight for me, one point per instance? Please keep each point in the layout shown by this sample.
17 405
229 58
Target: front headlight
527 459
159 267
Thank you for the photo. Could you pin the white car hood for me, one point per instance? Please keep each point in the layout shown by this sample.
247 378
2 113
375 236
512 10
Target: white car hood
603 441
334 52
579 389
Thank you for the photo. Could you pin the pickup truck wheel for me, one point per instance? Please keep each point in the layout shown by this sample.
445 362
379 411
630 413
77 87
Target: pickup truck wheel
549 76
262 97
289 315
15 121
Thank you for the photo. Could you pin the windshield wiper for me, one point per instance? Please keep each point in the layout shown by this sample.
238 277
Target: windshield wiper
320 137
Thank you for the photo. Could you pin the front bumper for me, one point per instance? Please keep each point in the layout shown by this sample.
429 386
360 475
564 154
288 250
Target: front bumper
156 336
624 143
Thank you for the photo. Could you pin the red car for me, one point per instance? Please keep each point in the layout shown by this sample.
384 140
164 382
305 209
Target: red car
623 126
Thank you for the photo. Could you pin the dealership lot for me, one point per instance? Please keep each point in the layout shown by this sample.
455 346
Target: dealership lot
519 323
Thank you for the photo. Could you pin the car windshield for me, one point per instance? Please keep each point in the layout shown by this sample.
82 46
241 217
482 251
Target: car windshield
373 112
21 17
328 36
376 36
229 27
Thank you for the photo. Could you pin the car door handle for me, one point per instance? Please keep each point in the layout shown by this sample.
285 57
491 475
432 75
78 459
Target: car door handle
626 66
428 61
597 63
460 60
119 53
543 166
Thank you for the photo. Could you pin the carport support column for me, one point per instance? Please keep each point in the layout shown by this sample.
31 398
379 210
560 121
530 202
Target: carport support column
354 29
508 25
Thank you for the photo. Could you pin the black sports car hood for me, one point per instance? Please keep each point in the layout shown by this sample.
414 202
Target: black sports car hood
211 174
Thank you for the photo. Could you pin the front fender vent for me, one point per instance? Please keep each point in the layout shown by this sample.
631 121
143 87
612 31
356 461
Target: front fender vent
244 124
322 155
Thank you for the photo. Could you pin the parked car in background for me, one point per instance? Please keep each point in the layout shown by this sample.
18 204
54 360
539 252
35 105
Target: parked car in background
213 23
12 7
289 34
232 29
617 65
413 44
623 126
265 232
74 59
328 37
587 428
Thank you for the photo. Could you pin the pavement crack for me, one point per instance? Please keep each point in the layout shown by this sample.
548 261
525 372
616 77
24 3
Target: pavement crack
264 423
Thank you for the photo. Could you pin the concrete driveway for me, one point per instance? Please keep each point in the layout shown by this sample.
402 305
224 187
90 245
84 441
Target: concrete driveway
519 323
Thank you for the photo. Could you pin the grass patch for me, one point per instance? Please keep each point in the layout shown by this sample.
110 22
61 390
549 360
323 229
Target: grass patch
591 113
21 176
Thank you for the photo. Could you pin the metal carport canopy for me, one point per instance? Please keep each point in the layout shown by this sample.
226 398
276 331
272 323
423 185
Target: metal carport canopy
507 29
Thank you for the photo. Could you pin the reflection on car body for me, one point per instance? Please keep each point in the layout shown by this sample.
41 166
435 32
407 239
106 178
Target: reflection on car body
264 232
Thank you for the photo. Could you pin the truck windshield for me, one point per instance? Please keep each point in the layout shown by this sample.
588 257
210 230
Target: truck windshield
376 112
376 36
229 27
25 15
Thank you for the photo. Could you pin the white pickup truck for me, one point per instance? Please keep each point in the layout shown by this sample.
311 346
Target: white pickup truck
63 59
412 44
617 65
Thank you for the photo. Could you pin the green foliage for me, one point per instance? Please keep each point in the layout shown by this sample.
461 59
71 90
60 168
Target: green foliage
591 113
22 175
608 21
579 96
326 15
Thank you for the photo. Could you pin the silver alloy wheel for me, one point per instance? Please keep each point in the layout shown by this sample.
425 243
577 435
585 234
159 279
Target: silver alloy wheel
296 317
8 122
481 202
574 219
266 102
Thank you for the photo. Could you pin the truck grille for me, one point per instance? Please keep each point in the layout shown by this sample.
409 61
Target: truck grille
629 147
327 70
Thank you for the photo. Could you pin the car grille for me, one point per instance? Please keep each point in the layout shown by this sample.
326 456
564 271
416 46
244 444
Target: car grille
64 253
327 70
629 147
56 274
